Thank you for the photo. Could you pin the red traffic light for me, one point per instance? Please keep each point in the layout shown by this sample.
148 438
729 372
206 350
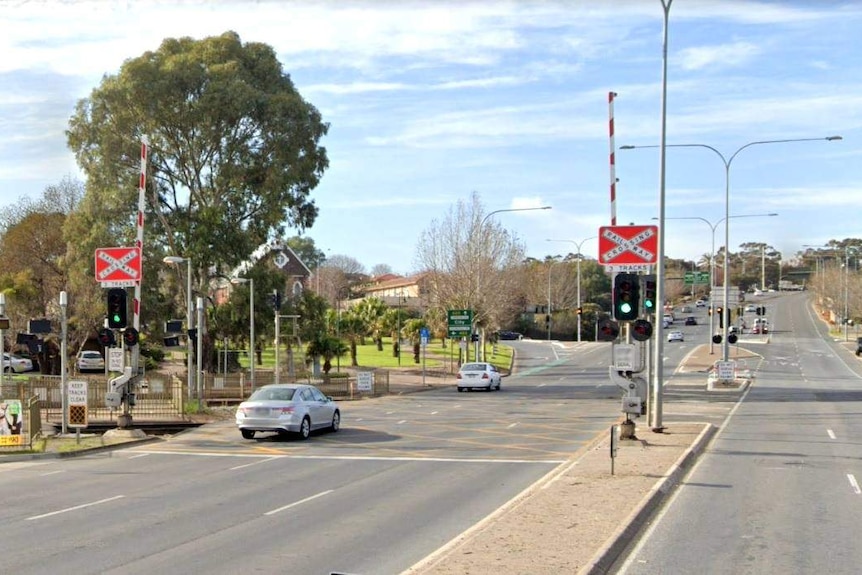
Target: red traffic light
130 336
641 330
609 330
106 337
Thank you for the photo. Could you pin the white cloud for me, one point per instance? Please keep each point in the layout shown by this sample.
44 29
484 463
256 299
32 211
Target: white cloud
721 56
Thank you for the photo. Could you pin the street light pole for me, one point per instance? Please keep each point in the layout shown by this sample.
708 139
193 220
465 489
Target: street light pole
727 161
250 282
189 318
577 245
712 228
847 287
482 225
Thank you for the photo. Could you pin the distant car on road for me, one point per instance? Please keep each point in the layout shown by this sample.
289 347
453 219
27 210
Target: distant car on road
675 336
287 408
16 364
700 303
750 308
691 320
479 375
859 346
510 335
90 361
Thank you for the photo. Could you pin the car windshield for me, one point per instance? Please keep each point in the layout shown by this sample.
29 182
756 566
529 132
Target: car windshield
273 394
473 367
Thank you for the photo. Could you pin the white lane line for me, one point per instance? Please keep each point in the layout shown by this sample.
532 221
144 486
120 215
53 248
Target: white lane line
830 433
52 473
434 412
75 508
267 460
511 425
402 422
300 502
139 455
854 484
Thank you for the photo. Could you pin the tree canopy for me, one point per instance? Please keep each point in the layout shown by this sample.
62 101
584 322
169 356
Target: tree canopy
234 149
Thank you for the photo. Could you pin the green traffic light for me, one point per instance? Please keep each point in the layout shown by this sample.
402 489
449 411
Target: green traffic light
625 307
648 304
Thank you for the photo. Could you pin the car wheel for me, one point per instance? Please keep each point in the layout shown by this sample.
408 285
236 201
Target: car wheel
247 433
305 428
336 422
460 389
498 385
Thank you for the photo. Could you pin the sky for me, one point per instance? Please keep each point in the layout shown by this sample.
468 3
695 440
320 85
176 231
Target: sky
429 102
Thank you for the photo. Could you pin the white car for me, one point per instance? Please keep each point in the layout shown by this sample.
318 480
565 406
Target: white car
675 336
287 408
700 303
750 308
478 375
16 364
90 361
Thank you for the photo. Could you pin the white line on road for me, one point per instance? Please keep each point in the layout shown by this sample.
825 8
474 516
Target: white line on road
300 502
434 412
267 460
830 433
511 425
139 455
359 457
52 473
854 484
403 421
75 508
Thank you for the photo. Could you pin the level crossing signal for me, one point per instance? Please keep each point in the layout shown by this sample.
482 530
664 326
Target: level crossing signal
626 296
649 289
641 330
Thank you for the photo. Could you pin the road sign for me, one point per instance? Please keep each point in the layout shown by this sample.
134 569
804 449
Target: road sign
116 359
692 278
460 322
628 245
77 390
424 335
118 267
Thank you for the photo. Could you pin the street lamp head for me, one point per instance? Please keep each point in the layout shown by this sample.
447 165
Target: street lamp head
833 138
239 280
174 259
629 147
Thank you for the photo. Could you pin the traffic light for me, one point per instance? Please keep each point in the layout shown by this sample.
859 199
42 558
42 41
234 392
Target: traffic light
732 338
716 338
117 308
649 294
275 299
580 311
547 320
609 330
130 336
641 330
709 311
626 296
106 337
720 313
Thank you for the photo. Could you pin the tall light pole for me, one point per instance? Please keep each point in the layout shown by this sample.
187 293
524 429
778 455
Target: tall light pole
847 286
190 323
481 226
578 246
728 161
64 378
712 227
250 282
548 315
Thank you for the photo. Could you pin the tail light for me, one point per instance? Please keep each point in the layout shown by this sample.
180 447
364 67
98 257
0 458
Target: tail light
287 410
485 376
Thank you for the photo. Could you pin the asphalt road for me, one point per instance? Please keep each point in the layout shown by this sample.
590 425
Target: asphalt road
403 476
778 489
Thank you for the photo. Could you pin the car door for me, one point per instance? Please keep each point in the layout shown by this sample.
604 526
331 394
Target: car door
318 407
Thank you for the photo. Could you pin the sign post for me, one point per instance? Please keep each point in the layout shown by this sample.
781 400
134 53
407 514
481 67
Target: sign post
118 267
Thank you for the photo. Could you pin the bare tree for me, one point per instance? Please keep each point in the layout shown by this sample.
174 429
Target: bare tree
473 263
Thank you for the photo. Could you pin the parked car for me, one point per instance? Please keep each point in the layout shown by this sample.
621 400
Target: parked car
90 361
478 375
287 408
675 336
691 320
16 363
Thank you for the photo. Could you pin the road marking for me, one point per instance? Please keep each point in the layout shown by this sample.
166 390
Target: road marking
300 502
139 455
267 460
75 508
854 484
511 425
52 473
402 422
830 433
434 412
360 457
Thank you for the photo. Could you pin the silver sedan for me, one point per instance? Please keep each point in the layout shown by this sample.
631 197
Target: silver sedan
287 408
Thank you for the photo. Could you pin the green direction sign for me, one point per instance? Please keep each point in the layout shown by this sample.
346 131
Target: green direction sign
460 322
696 278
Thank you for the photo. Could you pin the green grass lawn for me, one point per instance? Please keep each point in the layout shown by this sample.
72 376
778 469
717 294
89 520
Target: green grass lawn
436 356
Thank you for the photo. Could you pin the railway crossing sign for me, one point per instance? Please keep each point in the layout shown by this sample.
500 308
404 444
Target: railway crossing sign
118 267
628 245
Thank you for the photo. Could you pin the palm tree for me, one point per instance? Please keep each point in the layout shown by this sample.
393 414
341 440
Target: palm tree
327 347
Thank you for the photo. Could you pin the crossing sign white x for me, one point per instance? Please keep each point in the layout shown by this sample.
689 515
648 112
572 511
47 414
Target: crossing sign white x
118 267
628 245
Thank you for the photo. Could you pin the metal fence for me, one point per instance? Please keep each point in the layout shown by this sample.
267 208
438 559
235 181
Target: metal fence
164 397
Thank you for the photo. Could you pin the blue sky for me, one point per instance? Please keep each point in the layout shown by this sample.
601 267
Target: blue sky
431 101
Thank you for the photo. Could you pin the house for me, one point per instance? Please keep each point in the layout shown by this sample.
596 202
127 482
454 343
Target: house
394 290
275 254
